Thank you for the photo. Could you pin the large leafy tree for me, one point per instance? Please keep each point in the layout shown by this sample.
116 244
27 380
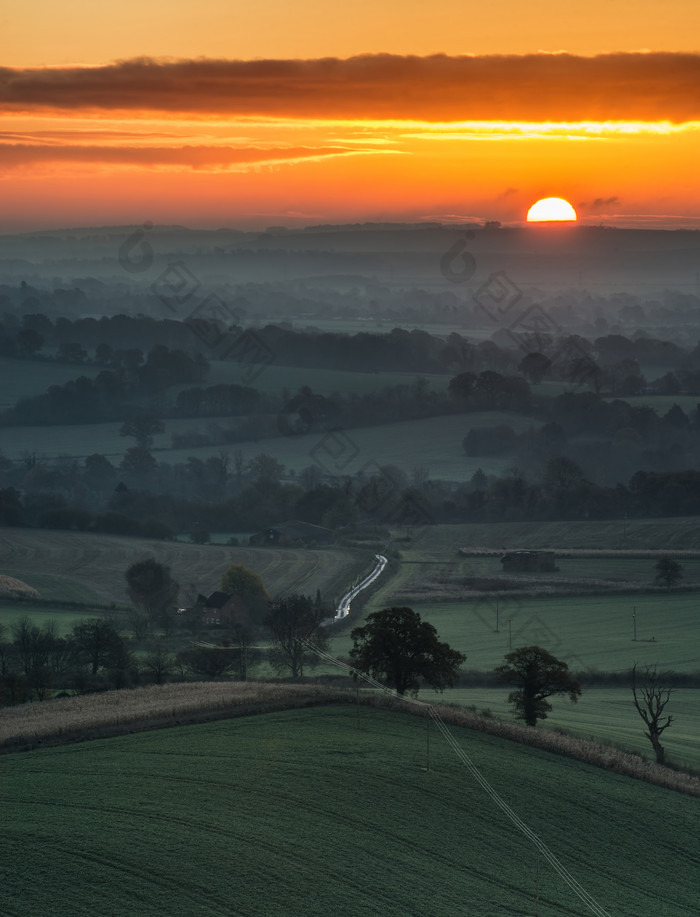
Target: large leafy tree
152 588
538 675
403 651
249 590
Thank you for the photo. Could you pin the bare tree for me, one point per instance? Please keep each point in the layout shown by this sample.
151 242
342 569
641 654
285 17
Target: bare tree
650 699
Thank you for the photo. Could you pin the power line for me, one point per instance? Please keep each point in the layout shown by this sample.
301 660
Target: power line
559 868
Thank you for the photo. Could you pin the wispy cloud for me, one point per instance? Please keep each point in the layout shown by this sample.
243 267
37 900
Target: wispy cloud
654 86
20 155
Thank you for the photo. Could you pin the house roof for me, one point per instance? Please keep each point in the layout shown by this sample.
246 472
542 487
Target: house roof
218 599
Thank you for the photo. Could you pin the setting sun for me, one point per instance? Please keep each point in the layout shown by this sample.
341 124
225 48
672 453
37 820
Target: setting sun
550 209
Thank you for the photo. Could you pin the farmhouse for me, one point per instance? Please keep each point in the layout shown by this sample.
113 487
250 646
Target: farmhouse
218 608
287 534
529 562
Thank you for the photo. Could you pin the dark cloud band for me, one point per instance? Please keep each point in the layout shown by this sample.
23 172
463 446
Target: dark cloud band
536 87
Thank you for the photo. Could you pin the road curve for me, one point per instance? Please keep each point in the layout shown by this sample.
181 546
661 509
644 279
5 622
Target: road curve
343 609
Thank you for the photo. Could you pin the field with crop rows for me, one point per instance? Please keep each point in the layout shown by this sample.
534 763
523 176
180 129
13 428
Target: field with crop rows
71 562
298 812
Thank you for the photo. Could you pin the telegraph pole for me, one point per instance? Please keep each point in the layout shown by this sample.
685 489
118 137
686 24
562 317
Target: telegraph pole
634 621
427 744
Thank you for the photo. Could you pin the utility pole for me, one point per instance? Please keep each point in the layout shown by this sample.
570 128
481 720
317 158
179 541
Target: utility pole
497 630
510 635
634 620
427 736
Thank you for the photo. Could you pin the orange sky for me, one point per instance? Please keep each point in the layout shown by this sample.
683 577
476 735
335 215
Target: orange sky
302 112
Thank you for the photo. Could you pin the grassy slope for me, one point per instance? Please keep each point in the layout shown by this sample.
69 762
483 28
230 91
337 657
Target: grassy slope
299 813
75 563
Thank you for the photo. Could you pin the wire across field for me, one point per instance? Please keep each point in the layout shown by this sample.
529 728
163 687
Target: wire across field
299 812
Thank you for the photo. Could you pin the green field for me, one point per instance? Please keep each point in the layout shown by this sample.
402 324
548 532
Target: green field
64 619
605 715
298 812
434 442
664 534
276 378
588 632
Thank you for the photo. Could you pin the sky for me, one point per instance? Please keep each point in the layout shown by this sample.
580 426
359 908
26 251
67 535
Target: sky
295 113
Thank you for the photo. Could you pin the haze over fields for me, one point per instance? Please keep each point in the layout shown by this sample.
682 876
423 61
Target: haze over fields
350 342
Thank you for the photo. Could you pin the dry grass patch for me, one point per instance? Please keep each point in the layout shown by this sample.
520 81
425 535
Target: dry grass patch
11 588
113 712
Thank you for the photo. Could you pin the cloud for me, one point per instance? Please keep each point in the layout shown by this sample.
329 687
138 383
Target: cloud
648 86
18 155
600 203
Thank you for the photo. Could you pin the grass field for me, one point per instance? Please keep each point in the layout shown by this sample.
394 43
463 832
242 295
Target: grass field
605 715
434 442
664 534
588 632
298 812
276 378
75 564
64 619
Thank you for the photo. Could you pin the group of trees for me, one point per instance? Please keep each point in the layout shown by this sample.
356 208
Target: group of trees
112 394
394 646
34 660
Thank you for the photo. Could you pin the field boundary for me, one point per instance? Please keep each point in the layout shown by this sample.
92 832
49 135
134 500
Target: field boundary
128 711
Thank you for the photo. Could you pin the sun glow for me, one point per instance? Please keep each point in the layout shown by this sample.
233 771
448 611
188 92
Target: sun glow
551 209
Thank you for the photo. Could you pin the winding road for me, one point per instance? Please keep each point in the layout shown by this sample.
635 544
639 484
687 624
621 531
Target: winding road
343 609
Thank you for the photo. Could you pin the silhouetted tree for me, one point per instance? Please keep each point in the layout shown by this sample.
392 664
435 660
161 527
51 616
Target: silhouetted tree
398 648
293 620
668 572
143 427
97 644
152 588
539 675
650 699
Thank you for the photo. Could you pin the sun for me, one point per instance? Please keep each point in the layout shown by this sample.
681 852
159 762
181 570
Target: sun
550 209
